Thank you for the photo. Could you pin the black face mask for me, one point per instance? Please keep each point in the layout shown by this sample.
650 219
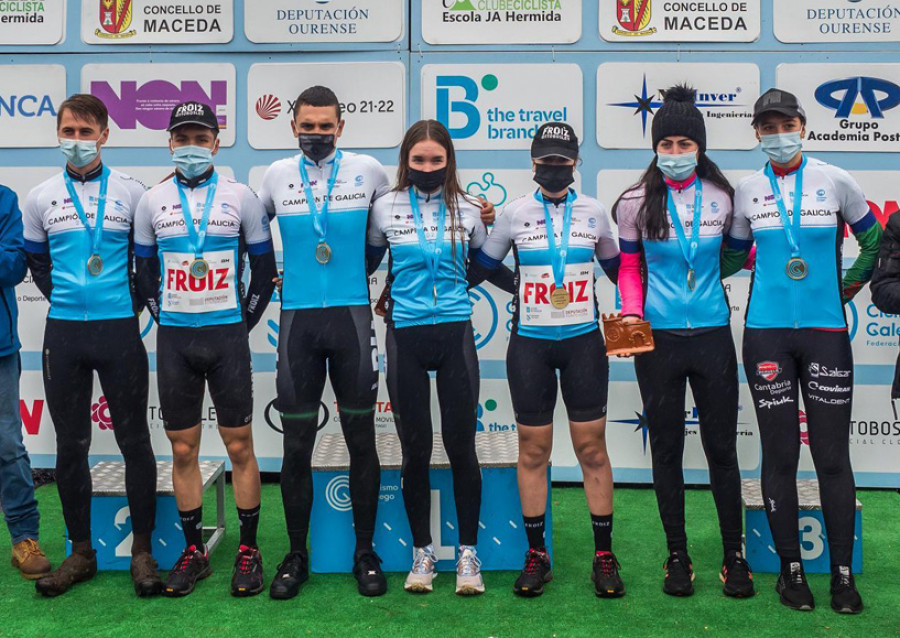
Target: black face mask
427 182
554 177
316 146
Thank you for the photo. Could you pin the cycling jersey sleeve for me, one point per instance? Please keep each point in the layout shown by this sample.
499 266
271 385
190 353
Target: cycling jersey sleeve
382 181
607 249
739 240
493 250
631 287
37 249
865 227
135 188
255 224
144 235
265 192
146 282
12 245
376 240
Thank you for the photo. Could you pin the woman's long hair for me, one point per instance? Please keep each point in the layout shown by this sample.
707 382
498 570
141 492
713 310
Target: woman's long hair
651 189
452 191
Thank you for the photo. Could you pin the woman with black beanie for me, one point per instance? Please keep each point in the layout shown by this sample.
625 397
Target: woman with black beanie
671 225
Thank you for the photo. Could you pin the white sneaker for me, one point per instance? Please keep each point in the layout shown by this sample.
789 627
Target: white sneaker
420 577
468 572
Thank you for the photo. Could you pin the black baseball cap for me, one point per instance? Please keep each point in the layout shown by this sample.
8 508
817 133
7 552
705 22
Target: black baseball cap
193 113
555 138
778 101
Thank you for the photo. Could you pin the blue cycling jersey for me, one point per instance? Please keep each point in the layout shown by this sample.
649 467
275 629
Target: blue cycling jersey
341 280
236 221
670 303
52 224
522 225
831 198
428 276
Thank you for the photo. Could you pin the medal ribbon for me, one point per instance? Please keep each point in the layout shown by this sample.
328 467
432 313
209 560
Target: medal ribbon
320 215
792 227
689 250
430 249
197 237
97 233
558 255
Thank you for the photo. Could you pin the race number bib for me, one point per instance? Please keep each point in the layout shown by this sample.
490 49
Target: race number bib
184 293
536 284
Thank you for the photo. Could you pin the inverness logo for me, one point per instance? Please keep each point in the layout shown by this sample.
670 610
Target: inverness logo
858 96
115 18
268 107
634 17
768 370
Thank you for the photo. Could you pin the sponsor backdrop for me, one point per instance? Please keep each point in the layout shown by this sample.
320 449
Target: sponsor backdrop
493 71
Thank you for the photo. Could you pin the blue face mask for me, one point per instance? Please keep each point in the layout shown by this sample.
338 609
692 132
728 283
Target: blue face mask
677 167
192 161
782 147
79 153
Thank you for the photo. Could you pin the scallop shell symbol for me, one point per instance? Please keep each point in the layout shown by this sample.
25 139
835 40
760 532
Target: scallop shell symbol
268 107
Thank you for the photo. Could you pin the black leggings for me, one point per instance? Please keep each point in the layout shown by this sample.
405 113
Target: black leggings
448 349
821 363
707 360
340 341
73 350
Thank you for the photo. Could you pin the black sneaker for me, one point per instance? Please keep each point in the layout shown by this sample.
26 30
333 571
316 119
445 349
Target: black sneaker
370 580
793 590
292 572
737 577
679 575
536 572
607 583
844 597
247 577
193 565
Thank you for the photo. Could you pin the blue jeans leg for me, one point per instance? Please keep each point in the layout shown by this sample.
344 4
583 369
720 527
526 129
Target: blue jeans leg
16 486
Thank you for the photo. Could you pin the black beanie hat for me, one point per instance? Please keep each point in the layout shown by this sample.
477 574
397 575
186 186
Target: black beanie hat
679 116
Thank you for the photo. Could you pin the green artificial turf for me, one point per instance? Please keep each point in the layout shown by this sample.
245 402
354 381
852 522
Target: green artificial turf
329 605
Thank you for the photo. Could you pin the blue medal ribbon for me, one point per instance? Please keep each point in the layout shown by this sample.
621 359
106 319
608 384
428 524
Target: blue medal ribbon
559 255
688 249
320 215
431 250
197 237
792 226
95 233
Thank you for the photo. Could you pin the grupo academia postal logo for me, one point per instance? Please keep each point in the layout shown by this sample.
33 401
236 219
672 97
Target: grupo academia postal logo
115 18
858 96
633 17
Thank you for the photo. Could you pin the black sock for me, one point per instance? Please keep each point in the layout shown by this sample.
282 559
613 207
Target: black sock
141 543
192 526
730 555
602 532
787 560
298 537
534 529
364 541
249 522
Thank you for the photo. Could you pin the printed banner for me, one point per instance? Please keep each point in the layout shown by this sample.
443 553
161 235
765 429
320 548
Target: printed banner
157 21
312 21
501 21
636 21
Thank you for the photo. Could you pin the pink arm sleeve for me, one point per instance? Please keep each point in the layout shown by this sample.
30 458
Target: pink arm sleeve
630 287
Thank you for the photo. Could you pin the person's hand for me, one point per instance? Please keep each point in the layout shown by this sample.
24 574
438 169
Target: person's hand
488 214
279 281
628 319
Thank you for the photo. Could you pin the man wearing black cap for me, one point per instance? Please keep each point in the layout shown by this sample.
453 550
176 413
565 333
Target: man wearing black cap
796 340
557 234
191 235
